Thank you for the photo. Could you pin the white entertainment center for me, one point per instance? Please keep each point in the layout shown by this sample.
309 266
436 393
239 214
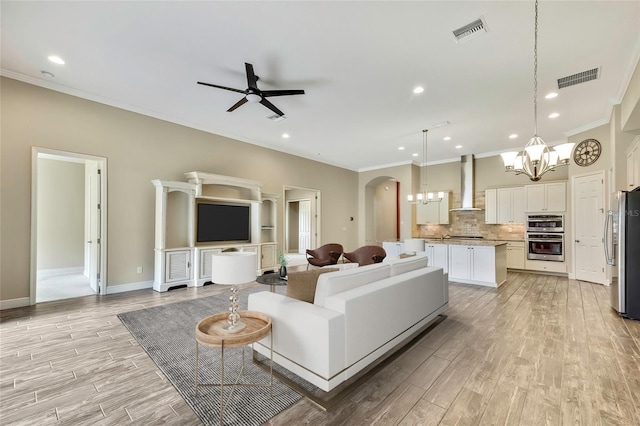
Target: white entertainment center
179 258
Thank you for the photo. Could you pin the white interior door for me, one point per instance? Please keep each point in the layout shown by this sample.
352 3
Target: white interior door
93 240
304 226
589 220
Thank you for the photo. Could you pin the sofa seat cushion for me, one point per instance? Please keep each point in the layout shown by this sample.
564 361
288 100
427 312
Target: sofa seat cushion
337 282
302 285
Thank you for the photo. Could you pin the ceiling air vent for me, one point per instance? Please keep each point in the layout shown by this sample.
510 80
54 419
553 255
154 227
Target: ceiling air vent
581 77
276 117
471 31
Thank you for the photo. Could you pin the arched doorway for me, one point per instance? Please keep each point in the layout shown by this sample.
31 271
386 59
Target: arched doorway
382 207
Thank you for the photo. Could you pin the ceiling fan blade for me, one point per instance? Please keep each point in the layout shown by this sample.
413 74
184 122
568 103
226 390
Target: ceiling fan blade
267 93
221 87
271 106
251 76
237 104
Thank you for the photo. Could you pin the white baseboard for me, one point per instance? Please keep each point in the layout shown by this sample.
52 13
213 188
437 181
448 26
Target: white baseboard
48 273
14 303
129 287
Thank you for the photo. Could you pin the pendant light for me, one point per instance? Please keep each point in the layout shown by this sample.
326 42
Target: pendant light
536 159
424 197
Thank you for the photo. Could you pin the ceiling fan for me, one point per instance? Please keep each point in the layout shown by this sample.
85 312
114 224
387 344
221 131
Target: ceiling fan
255 95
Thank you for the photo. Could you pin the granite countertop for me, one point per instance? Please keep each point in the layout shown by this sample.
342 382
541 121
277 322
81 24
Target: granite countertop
465 242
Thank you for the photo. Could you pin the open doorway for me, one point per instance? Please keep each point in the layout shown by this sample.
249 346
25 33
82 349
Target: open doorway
302 222
68 226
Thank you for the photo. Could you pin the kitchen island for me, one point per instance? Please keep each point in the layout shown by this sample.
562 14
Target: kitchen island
473 261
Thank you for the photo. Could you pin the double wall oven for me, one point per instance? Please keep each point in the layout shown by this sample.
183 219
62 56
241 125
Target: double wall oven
545 237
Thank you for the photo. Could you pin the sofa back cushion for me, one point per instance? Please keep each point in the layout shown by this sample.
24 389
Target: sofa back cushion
302 285
337 282
401 266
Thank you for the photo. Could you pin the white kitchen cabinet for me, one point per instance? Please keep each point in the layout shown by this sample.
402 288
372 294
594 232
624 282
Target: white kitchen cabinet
438 255
491 206
433 213
515 255
504 205
393 248
633 165
482 265
551 197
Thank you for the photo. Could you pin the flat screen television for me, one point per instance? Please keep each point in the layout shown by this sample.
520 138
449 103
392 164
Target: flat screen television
217 222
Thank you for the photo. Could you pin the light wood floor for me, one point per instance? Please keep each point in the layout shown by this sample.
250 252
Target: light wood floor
539 350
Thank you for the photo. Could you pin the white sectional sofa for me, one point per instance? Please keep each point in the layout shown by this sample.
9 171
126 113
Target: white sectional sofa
357 316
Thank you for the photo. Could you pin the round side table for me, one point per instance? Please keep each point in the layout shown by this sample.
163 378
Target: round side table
272 280
209 332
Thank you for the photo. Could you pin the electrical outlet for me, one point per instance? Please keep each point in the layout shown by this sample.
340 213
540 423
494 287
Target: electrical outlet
139 269
509 230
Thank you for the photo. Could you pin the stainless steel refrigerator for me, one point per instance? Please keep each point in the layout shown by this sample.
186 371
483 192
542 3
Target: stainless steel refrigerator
622 249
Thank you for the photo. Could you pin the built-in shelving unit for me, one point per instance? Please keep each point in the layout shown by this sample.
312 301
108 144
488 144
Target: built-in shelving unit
179 259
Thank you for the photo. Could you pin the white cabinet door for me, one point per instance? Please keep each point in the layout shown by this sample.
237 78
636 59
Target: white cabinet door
459 263
438 255
556 196
633 165
518 203
504 205
178 265
393 249
443 213
483 263
268 256
545 197
535 198
204 269
490 206
515 255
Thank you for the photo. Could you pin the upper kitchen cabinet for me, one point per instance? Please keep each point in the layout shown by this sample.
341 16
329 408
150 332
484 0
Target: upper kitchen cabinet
633 165
546 197
505 205
434 212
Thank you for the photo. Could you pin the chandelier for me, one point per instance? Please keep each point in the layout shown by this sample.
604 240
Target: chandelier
536 159
424 197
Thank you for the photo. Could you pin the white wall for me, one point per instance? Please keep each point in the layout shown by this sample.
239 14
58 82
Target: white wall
60 214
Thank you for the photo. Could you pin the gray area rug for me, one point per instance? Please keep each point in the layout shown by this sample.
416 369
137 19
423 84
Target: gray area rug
167 333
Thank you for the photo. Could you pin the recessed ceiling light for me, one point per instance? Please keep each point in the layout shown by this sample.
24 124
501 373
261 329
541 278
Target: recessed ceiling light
418 89
554 115
513 136
56 60
447 138
285 135
551 95
415 154
401 148
458 146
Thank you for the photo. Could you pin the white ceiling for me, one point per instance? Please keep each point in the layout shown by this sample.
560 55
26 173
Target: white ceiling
357 61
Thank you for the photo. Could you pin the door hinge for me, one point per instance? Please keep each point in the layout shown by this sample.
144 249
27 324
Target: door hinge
98 240
99 171
98 276
98 206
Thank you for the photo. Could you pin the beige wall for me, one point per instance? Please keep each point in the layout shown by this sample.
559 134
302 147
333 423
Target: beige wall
384 210
138 149
60 214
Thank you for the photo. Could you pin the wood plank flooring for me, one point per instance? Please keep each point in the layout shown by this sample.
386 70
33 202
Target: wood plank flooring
539 350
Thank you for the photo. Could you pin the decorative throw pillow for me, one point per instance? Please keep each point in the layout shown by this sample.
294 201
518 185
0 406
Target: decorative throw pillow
302 285
405 255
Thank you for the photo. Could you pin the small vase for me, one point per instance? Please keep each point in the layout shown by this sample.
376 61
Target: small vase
283 271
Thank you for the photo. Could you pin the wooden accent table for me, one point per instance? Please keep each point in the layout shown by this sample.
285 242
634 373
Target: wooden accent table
209 332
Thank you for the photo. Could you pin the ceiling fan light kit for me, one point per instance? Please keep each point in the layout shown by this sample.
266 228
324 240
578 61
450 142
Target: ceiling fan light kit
253 94
536 159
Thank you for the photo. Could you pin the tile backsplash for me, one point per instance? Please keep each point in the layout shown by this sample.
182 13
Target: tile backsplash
471 223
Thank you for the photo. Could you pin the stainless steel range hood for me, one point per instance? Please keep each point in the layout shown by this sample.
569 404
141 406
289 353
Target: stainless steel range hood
467 181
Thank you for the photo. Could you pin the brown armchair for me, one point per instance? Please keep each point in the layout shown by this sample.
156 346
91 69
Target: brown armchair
366 255
327 254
